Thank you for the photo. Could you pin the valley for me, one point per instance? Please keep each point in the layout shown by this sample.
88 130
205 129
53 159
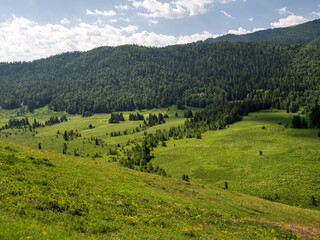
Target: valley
207 140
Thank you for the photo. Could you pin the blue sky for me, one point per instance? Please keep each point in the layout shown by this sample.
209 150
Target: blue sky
33 29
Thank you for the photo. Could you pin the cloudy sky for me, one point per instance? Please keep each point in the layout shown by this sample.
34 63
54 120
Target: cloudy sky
33 29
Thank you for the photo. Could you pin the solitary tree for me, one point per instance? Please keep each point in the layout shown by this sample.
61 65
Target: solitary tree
65 136
65 148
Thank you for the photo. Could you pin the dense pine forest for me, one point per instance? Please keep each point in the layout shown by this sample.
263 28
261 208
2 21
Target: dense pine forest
129 77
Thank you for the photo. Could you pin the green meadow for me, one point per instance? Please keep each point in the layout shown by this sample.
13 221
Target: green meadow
46 195
258 156
85 145
266 164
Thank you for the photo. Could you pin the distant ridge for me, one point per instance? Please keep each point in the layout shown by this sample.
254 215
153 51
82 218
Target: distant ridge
304 33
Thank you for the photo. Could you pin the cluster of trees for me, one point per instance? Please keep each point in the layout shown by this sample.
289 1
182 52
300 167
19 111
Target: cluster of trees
16 123
314 116
299 122
116 118
56 120
136 117
132 77
153 120
139 156
24 122
69 135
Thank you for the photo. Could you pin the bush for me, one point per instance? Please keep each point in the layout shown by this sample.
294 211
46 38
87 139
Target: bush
185 177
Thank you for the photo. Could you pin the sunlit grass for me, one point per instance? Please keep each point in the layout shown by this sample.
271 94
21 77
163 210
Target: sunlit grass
46 195
286 171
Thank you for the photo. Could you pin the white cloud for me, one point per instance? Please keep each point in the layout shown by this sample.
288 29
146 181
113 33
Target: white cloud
316 13
157 9
258 29
175 8
284 12
125 19
226 14
196 37
289 21
130 29
104 13
65 21
153 21
242 30
25 40
122 7
251 19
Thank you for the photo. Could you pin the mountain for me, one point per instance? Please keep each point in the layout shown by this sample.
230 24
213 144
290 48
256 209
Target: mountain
123 78
303 33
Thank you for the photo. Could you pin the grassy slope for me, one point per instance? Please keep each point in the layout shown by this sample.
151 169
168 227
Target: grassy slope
45 195
85 147
288 167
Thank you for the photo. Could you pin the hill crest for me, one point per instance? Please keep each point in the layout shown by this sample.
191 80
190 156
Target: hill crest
308 32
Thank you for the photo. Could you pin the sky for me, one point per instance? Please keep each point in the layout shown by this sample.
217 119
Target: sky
34 29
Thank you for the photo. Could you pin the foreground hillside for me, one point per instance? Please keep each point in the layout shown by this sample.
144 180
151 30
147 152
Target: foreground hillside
261 155
51 196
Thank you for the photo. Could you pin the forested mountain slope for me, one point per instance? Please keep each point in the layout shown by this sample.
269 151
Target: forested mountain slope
110 79
302 33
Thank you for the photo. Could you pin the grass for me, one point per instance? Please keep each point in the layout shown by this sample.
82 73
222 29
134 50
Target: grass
46 195
287 171
85 145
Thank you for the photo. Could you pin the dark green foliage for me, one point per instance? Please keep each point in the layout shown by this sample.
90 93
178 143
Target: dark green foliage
65 148
179 104
24 123
66 136
56 120
69 135
132 77
185 177
154 120
36 124
298 122
136 117
315 116
139 156
188 114
116 117
15 123
87 114
115 134
314 201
